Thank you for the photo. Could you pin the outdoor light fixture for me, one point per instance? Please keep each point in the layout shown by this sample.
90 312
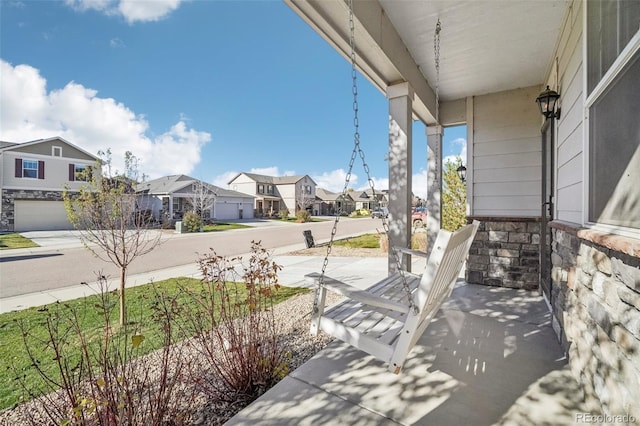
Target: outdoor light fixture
547 103
462 173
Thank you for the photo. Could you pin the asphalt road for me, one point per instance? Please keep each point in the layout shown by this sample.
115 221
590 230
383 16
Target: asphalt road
23 272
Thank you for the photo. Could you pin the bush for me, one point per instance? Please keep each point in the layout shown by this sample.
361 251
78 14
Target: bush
283 214
97 379
236 334
303 216
191 222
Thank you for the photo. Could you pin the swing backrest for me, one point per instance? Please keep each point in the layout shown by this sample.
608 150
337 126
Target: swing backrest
443 267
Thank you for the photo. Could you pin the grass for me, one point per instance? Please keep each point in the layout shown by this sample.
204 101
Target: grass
362 241
15 241
223 226
13 356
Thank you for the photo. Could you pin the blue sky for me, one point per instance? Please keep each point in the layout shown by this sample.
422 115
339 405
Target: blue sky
205 88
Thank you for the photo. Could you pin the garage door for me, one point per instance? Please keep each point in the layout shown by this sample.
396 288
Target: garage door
37 215
224 211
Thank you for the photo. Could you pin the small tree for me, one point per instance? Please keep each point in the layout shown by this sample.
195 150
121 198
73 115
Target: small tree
202 199
304 198
105 211
454 198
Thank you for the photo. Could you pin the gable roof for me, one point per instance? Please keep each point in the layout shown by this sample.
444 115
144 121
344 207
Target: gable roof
275 180
175 183
8 146
326 195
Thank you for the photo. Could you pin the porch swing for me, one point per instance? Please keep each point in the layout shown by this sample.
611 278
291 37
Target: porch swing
387 319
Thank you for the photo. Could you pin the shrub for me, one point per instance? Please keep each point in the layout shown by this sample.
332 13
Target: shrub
191 222
303 216
236 334
283 214
96 378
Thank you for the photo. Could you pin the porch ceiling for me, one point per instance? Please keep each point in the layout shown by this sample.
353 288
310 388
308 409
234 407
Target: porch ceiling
486 46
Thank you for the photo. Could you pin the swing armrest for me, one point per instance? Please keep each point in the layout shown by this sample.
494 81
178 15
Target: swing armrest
354 293
411 252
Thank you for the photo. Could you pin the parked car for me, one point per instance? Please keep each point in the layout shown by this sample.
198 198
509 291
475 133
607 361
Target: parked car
419 218
380 213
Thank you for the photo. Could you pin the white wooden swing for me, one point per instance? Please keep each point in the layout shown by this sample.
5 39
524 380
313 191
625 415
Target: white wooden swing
387 319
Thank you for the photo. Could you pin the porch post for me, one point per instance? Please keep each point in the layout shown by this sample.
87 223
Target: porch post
400 158
434 183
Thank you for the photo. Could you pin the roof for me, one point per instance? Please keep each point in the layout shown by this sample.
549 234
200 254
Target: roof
175 183
326 195
275 180
8 146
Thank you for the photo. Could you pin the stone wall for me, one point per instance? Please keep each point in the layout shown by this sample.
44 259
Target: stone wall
596 305
7 216
505 253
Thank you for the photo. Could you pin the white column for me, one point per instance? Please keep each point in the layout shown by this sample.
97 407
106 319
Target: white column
434 183
400 157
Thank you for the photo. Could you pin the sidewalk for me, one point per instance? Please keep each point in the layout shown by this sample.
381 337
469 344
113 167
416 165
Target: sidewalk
369 270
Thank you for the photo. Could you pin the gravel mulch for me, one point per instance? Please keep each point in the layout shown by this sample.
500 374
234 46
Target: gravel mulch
293 316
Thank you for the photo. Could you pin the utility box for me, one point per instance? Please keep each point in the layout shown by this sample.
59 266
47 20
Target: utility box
178 227
308 239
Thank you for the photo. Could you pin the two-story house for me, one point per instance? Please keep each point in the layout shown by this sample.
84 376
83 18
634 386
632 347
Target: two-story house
33 176
275 193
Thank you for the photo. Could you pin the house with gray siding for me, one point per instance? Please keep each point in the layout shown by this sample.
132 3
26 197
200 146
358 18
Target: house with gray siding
33 176
168 198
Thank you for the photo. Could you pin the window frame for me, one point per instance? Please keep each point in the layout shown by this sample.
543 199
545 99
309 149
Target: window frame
590 98
24 168
78 173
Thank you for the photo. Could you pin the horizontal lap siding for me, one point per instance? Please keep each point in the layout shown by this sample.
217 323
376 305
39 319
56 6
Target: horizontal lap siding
507 154
570 160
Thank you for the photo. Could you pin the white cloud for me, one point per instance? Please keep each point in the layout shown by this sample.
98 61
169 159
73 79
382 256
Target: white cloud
78 115
223 180
116 43
461 143
419 184
130 10
334 180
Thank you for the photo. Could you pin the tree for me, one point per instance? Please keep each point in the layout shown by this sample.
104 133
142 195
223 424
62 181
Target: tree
106 212
304 198
454 198
202 199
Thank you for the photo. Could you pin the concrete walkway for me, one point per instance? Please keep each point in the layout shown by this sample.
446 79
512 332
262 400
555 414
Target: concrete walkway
489 357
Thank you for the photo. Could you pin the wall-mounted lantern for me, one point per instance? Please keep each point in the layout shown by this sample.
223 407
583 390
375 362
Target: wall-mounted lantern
462 173
547 103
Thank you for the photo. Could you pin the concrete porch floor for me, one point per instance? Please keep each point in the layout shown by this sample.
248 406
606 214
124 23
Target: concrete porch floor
489 357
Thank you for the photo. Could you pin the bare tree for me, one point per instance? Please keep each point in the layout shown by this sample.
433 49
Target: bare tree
105 210
203 198
304 197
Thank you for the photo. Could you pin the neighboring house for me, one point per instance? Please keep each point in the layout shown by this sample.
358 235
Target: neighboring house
33 176
327 203
557 194
169 198
275 193
366 199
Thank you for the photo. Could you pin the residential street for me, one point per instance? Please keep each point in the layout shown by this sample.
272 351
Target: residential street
45 268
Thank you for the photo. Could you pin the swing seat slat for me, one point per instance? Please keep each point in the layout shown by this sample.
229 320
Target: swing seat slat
379 320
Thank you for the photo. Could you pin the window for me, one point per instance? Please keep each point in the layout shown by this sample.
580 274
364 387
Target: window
613 81
81 172
30 169
260 189
56 151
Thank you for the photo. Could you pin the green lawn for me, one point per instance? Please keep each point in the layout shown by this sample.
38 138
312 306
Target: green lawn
362 241
222 226
140 313
15 241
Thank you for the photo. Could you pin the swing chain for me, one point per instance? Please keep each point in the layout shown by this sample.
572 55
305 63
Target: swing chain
357 151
